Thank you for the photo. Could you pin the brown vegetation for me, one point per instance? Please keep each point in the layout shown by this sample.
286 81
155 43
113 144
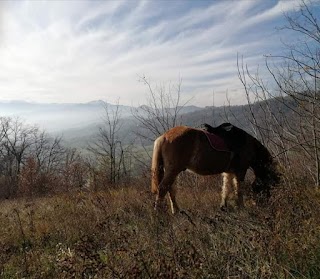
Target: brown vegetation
117 234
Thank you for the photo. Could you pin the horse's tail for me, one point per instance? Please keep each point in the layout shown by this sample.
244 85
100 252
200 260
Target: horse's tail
157 169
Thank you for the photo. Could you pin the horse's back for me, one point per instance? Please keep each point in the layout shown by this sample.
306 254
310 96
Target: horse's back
177 132
188 148
179 143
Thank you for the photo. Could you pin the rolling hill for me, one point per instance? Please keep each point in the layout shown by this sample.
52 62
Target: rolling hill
78 123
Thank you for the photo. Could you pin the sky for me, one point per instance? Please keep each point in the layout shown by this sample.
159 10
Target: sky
80 51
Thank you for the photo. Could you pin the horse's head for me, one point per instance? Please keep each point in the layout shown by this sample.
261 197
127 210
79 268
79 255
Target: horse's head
266 178
266 172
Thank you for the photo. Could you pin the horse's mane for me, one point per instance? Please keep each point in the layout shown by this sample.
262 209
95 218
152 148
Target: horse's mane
263 152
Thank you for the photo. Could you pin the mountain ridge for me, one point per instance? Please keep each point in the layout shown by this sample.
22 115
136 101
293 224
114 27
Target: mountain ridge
55 117
78 123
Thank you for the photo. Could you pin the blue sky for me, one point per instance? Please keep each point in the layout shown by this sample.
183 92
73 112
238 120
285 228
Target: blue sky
78 51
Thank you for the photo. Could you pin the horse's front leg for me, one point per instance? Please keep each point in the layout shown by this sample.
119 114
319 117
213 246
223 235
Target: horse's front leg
238 185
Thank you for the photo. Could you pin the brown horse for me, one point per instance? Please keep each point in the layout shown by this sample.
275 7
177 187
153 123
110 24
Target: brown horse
183 148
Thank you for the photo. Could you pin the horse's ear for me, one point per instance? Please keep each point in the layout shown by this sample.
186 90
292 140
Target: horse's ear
228 128
207 127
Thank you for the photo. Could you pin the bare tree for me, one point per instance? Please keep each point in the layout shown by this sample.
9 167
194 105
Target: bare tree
16 140
161 111
74 171
107 145
48 152
27 155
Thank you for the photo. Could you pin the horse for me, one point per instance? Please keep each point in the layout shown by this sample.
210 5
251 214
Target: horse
184 148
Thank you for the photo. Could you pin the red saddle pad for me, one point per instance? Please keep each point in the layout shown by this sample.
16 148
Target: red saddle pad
216 142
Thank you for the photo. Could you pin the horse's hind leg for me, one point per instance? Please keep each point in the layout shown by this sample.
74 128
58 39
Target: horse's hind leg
172 199
164 187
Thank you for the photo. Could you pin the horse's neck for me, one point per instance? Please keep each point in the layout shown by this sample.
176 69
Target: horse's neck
263 161
259 170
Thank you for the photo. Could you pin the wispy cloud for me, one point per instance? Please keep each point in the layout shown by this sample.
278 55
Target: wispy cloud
78 51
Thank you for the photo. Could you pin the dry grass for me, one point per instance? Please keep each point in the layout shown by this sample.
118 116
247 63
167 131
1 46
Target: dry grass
117 234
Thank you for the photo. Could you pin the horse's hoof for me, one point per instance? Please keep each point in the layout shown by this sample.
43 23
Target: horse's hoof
223 208
157 208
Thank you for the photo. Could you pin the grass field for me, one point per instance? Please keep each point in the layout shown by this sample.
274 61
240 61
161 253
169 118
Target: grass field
117 234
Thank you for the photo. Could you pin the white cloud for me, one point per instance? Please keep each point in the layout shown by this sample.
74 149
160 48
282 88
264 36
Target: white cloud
78 51
277 10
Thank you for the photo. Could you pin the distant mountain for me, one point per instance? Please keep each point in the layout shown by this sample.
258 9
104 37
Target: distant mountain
79 123
190 116
66 117
55 117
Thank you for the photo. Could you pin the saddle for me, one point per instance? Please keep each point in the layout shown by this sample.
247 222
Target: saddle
233 137
216 141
